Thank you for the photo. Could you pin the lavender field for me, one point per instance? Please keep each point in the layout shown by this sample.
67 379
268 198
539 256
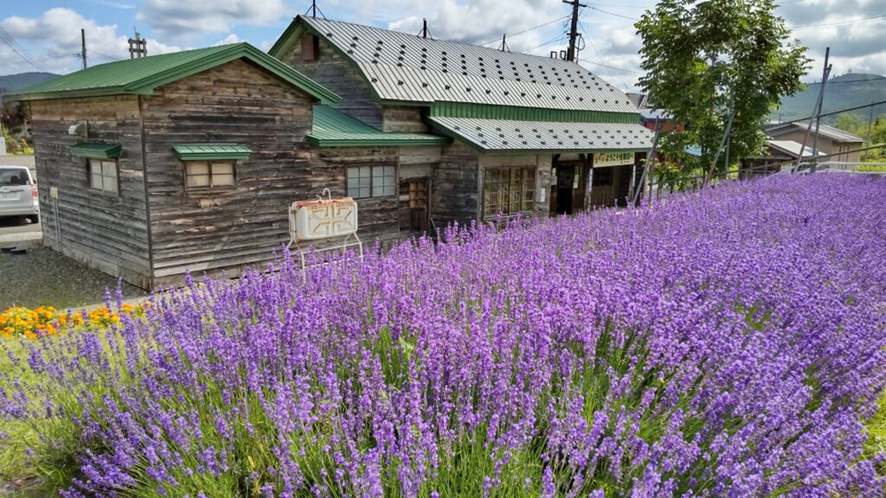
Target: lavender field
724 343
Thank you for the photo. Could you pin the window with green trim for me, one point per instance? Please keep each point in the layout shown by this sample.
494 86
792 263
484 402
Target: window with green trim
103 175
508 191
209 175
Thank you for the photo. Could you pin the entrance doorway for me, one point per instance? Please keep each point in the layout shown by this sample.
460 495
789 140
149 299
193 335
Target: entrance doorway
568 193
565 182
414 205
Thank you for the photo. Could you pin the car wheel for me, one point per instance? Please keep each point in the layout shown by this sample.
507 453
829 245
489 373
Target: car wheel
34 218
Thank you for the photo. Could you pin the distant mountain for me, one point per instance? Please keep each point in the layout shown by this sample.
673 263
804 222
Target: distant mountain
841 92
14 82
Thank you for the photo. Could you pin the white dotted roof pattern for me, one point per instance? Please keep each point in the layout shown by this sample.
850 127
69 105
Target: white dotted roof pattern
496 134
406 67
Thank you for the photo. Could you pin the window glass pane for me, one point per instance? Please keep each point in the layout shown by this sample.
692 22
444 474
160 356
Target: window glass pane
110 184
224 180
222 169
95 181
365 172
197 181
353 183
378 191
197 168
109 168
363 192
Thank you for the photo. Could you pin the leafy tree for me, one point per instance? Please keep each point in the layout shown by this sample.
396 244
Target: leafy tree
706 60
874 133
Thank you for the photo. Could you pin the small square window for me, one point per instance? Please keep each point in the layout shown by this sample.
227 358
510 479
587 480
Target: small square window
206 175
103 175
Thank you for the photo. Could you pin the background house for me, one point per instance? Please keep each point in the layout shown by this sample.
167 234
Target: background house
835 143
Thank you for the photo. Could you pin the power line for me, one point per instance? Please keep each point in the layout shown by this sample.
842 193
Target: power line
614 14
19 50
843 82
526 30
841 111
106 56
842 23
585 31
559 38
616 68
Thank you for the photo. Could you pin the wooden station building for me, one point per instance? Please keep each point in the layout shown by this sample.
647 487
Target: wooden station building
153 167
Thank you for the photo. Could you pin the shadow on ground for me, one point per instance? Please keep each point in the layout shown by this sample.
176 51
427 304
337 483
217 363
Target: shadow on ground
42 276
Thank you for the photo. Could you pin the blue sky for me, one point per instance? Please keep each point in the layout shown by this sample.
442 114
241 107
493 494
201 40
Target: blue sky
45 34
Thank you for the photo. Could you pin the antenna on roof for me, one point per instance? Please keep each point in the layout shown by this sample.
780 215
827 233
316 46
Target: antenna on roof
504 43
424 33
313 10
138 47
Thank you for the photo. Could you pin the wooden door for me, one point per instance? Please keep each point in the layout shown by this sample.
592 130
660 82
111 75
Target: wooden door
414 205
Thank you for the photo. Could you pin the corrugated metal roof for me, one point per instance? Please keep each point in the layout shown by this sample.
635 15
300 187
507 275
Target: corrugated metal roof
141 76
830 132
334 129
404 67
791 147
96 150
523 136
209 152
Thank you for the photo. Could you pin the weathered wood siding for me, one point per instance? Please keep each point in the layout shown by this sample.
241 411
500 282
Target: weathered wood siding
236 103
104 231
377 216
342 76
455 186
404 119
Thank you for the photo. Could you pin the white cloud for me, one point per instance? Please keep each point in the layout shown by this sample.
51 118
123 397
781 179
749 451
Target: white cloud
186 21
56 34
231 38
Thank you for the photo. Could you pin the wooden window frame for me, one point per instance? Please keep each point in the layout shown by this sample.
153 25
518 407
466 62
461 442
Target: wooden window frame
608 176
394 186
89 175
505 206
210 189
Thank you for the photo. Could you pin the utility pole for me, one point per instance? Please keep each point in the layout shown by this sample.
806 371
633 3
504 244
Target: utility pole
816 112
314 8
504 43
83 46
573 29
824 82
424 29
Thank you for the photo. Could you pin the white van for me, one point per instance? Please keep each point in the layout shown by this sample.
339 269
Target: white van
18 193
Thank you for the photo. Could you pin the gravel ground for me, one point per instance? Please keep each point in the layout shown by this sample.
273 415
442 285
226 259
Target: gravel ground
45 277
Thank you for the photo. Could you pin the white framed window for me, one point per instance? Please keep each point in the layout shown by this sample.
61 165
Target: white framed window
103 175
371 181
209 175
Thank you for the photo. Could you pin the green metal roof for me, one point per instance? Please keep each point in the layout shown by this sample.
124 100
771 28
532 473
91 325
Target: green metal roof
511 136
96 150
335 129
211 152
142 76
